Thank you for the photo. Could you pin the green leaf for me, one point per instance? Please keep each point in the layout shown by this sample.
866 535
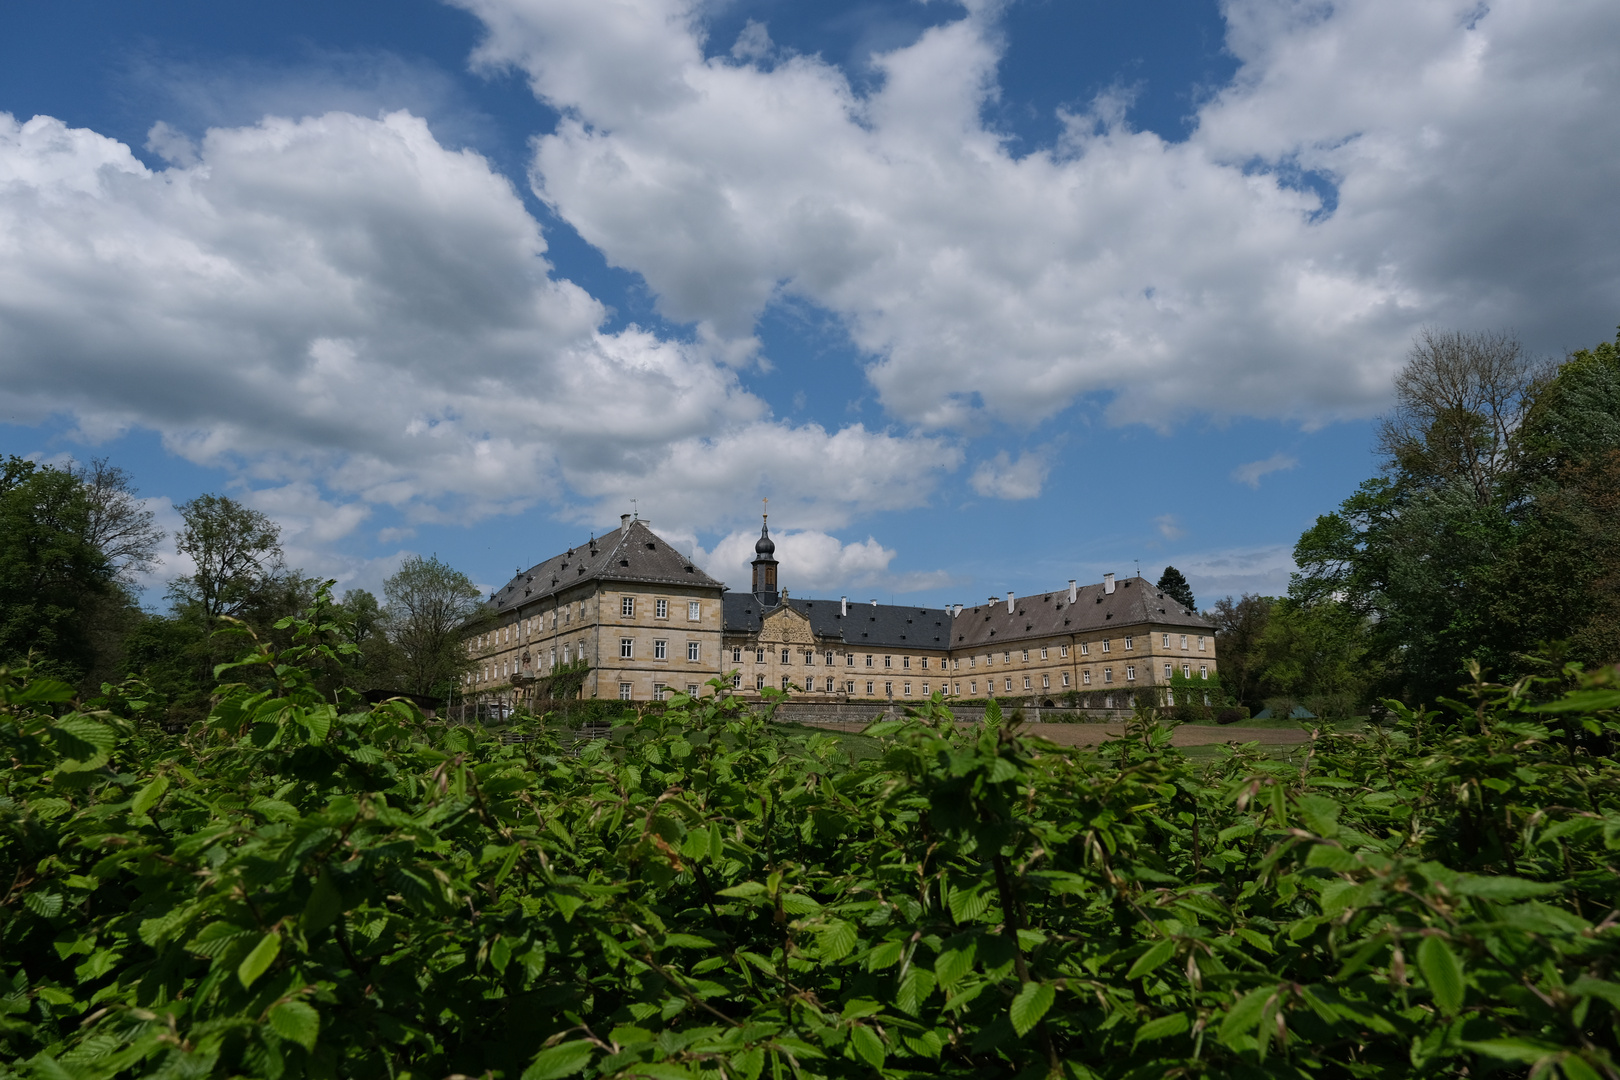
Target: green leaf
1442 972
1321 814
1156 955
47 905
258 961
1162 1028
1244 1014
1512 1049
1493 887
148 796
836 939
952 964
1030 1005
914 989
746 889
296 1022
564 1059
968 904
81 738
867 1045
324 905
1333 858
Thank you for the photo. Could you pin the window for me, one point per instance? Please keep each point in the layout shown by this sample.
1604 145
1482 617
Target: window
1006 657
1026 682
661 609
958 690
694 611
1043 653
1167 641
849 659
784 682
624 691
973 661
1186 671
626 648
759 656
829 661
1085 648
925 667
1106 643
627 606
907 689
1203 671
736 680
925 690
849 687
1169 672
888 661
553 662
1128 641
1108 674
1085 677
1184 641
869 690
1063 650
691 689
784 656
1200 642
1025 656
868 659
660 649
888 689
973 686
759 682
829 684
1130 672
809 658
658 691
1046 682
693 651
1009 682
905 663
1065 678
736 654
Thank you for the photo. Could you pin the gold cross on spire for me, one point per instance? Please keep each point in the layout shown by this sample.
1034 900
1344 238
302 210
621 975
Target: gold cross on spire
767 513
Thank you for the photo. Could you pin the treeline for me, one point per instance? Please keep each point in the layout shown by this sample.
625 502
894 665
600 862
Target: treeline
75 543
1490 536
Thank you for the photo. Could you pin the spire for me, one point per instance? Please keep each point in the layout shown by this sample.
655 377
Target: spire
765 565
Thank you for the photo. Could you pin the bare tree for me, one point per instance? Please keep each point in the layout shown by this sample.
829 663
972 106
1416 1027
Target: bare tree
118 525
1459 403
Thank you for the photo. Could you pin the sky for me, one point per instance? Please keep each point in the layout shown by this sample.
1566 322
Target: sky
982 296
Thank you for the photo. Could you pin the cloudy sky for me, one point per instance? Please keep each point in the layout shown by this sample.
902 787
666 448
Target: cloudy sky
983 296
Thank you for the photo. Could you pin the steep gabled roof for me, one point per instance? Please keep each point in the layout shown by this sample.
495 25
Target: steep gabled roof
1133 602
889 626
630 553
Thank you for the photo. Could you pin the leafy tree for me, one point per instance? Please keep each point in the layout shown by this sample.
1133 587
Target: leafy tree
429 607
118 525
50 572
1240 626
1175 586
376 660
237 553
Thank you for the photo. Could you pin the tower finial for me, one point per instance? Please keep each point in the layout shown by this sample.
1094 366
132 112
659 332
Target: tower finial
766 514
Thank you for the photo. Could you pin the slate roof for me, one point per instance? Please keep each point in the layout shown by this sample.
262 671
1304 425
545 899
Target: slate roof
878 626
632 552
1135 600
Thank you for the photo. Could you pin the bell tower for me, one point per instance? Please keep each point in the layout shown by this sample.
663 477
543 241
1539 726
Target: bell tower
765 590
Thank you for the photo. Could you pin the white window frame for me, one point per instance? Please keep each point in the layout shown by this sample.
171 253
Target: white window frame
1085 648
694 650
1129 643
625 690
1065 678
1203 671
1130 672
1085 677
627 648
1108 675
660 609
1063 652
660 649
1026 683
694 611
627 607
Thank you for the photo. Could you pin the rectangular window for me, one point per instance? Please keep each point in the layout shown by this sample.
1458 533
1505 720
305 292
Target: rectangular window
849 659
1167 641
1106 643
693 651
1085 648
905 663
868 659
1043 653
658 691
1203 671
809 659
869 690
829 684
1085 677
849 687
553 656
661 609
736 654
691 689
626 648
1063 650
1009 682
1006 657
829 661
1108 674
958 690
759 656
1025 656
1130 672
624 691
784 682
888 689
973 661
925 663
1169 673
1065 678
1026 682
1128 642
736 680
784 656
1201 643
907 689
925 690
888 661
660 649
1186 671
1046 682
759 682
627 606
1184 642
694 611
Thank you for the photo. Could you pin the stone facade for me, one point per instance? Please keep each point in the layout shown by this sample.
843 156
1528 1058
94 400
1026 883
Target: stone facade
647 621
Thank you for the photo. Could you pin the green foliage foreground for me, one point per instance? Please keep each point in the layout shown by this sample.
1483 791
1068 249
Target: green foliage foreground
299 890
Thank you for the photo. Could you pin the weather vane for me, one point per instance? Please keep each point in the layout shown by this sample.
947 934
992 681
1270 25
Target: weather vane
635 511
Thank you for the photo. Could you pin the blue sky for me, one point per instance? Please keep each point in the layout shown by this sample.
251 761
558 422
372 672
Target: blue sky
983 297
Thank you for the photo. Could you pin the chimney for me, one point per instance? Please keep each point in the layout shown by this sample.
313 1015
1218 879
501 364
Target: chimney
843 605
1074 593
1009 603
874 601
1108 584
624 521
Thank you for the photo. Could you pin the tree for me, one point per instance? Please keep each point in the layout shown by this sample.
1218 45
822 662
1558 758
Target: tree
376 664
49 571
429 607
237 553
1239 627
1175 586
118 525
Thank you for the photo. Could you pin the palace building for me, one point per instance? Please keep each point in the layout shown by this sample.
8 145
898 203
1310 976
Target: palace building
647 621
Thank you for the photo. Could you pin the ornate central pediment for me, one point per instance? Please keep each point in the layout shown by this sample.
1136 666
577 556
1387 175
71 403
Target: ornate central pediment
785 626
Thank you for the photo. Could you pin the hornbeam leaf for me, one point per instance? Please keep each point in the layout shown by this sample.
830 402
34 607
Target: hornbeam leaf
1148 961
1442 972
867 1045
296 1022
1162 1028
564 1059
1030 1005
258 961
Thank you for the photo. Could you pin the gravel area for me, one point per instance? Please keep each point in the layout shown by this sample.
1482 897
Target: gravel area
1185 735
